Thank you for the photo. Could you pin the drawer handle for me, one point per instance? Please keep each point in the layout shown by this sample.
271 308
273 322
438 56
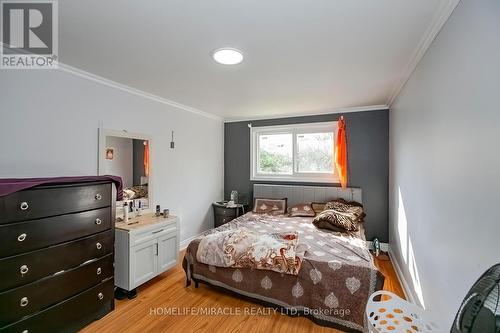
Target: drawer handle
100 295
98 196
157 231
24 205
21 237
98 245
98 271
23 269
24 301
98 221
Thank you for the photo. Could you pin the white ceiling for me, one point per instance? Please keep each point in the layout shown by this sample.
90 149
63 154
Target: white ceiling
301 56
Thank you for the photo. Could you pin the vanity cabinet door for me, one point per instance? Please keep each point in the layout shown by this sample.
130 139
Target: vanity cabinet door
167 252
143 262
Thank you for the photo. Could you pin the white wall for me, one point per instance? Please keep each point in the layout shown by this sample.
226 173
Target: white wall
49 124
445 161
122 163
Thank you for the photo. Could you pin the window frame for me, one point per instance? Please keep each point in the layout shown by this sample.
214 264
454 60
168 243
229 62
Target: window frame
295 129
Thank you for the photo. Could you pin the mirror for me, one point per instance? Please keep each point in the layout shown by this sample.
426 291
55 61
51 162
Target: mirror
127 155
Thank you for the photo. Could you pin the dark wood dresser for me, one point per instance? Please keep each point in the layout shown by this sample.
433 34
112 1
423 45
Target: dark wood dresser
224 214
56 257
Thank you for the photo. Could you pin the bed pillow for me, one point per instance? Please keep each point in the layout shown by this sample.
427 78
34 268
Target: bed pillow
135 192
318 207
301 209
343 206
269 206
336 221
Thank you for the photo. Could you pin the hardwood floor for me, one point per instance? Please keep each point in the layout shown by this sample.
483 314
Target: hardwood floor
168 291
391 282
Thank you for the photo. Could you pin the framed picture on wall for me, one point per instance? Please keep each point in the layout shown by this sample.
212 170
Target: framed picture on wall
110 153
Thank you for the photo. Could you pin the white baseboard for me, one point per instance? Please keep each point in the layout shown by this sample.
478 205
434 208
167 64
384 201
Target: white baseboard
409 294
184 244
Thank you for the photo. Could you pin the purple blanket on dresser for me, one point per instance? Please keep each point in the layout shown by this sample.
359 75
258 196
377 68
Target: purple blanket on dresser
12 185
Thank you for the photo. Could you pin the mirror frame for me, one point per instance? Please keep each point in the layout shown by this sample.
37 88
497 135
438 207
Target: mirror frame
105 132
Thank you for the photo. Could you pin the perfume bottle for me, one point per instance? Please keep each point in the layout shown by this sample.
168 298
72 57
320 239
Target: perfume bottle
125 212
138 210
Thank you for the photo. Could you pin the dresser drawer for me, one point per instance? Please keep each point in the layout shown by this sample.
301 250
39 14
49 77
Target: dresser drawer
22 269
139 237
47 201
224 211
22 301
35 234
70 315
221 219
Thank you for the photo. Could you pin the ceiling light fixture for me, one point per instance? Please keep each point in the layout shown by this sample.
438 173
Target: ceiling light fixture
228 56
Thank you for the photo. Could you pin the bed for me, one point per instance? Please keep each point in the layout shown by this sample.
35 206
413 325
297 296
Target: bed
336 277
135 192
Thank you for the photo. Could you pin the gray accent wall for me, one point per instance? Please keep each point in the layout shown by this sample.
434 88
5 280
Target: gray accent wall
368 160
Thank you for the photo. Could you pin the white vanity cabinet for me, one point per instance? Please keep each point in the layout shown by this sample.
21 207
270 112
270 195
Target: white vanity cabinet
145 247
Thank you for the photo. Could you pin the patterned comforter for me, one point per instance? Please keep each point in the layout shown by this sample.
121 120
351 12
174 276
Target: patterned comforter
336 277
243 248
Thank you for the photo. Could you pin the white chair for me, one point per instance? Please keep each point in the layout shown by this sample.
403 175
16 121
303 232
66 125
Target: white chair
388 313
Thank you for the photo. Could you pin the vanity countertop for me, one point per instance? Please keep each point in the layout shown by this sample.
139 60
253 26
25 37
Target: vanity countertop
143 221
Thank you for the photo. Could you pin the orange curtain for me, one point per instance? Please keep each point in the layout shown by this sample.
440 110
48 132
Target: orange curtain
341 153
146 158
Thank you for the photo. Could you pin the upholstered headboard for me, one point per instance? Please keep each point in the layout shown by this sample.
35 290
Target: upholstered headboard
298 193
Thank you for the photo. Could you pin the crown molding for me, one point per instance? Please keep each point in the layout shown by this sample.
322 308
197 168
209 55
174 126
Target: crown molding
437 23
113 84
62 67
288 115
95 78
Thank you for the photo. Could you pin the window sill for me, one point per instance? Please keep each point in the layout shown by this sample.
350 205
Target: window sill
329 180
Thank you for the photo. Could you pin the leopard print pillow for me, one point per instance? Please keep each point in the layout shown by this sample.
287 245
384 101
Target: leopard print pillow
343 206
318 207
336 221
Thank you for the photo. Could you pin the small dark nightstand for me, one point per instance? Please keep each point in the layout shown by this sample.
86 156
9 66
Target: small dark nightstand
224 214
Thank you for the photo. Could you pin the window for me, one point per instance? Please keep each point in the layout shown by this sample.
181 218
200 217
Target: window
275 154
303 152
